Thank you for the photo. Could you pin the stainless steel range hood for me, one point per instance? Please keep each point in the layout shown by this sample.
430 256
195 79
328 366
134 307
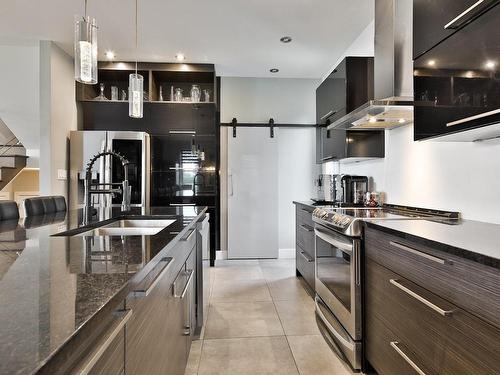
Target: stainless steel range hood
393 71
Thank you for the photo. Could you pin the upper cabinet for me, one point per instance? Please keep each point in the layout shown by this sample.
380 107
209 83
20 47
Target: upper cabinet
434 20
349 86
457 83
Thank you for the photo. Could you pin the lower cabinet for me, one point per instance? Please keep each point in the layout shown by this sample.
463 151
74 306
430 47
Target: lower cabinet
410 329
305 253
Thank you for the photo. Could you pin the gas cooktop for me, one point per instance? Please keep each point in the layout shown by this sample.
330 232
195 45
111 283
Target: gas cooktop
349 220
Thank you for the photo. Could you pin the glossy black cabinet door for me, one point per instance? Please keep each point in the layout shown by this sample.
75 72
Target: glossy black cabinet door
457 83
434 20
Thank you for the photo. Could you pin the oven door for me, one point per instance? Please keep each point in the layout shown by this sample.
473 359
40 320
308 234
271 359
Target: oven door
338 281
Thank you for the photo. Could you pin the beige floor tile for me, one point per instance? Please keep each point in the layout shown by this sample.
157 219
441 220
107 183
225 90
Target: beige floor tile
281 263
236 263
238 273
240 291
248 356
288 289
194 358
277 273
242 319
314 357
297 317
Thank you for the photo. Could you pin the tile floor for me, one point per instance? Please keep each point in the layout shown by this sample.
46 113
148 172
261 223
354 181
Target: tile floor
259 320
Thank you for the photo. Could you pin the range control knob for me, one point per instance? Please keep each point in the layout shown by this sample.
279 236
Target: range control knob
346 221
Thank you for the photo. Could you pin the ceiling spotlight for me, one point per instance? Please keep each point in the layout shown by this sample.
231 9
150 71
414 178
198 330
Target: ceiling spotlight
490 64
286 39
431 62
401 120
180 57
274 70
110 55
372 120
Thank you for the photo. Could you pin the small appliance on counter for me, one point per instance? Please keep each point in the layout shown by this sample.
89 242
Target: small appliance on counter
325 189
352 191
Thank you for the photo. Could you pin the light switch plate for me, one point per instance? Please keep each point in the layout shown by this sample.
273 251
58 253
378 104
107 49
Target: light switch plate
62 174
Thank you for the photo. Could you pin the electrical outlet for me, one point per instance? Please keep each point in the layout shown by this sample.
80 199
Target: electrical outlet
62 174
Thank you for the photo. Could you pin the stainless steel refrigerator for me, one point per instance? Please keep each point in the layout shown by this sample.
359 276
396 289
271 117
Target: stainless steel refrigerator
134 146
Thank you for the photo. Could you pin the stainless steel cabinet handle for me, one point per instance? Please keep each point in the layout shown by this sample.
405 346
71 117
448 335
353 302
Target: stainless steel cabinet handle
188 237
419 298
394 345
331 113
87 366
182 204
140 293
307 228
305 210
419 253
306 257
186 287
230 180
472 118
453 24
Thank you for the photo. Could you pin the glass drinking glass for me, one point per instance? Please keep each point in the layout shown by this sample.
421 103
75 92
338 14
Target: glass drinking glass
195 93
114 93
178 95
206 93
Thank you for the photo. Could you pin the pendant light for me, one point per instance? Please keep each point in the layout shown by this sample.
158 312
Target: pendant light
135 84
85 49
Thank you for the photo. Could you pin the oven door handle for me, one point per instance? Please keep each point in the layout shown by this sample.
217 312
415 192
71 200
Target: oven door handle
346 247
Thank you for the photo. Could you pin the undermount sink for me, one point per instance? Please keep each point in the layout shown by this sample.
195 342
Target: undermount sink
136 227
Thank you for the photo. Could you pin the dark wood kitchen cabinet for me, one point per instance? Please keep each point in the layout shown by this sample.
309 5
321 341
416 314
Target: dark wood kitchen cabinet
427 311
435 20
158 334
349 86
305 251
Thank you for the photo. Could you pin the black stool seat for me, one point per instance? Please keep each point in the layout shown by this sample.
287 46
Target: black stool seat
8 210
44 205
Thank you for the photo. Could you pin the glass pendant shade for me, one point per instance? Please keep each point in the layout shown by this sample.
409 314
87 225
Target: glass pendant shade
135 95
85 50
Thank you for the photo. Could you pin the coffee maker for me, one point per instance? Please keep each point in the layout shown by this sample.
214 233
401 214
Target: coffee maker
353 190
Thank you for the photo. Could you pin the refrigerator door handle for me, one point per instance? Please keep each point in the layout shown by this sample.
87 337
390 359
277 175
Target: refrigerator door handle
231 188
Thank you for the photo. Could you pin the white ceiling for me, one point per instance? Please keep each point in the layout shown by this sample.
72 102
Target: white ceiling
240 36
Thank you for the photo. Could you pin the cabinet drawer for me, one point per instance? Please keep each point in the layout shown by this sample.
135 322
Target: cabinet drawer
305 238
388 355
467 284
305 265
304 215
412 323
441 336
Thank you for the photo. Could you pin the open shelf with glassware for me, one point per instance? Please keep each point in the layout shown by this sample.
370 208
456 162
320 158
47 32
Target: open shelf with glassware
193 83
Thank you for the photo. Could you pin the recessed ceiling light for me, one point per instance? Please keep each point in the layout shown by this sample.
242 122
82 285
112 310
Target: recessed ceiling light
274 70
110 55
490 64
401 120
431 62
180 57
286 39
372 120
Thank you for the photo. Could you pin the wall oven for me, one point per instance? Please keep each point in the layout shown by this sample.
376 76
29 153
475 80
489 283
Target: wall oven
457 83
338 292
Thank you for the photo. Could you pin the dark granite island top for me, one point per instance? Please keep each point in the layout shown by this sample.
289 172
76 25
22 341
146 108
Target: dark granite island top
52 287
473 240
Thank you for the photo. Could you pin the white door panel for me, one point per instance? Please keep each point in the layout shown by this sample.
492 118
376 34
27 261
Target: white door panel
252 194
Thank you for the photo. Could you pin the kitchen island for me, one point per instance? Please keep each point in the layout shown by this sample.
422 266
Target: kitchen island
84 303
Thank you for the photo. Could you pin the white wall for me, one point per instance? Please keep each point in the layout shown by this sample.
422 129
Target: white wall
19 94
452 176
58 116
289 101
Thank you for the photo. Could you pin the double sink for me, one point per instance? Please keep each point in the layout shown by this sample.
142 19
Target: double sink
126 227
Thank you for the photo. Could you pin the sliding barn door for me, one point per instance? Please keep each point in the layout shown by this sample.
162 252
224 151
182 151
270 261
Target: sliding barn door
252 194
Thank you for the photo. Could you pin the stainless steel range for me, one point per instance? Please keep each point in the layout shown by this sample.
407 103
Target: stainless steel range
339 245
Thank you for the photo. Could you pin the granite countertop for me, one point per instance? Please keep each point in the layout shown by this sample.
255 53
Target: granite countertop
52 286
474 240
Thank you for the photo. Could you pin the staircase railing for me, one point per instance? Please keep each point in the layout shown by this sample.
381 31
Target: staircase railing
13 142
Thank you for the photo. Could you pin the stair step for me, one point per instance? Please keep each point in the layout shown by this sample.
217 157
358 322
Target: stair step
9 161
15 150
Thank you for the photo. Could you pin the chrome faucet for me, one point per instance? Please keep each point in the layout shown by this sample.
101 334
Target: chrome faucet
124 191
